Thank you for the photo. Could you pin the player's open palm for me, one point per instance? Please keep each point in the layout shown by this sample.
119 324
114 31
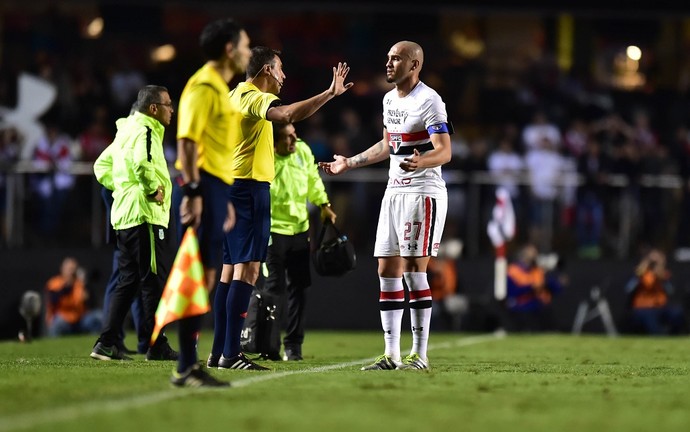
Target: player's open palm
338 166
338 85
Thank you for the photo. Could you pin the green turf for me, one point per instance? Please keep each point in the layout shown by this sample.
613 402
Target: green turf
518 383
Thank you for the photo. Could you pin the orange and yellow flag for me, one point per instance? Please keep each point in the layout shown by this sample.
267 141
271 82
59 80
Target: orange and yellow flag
185 293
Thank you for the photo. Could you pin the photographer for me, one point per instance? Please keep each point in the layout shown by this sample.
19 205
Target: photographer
531 288
66 298
648 293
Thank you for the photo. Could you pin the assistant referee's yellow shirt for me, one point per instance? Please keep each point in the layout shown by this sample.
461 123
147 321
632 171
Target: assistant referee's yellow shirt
254 158
205 116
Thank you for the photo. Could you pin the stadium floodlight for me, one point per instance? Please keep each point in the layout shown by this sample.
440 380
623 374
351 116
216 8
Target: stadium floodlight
634 53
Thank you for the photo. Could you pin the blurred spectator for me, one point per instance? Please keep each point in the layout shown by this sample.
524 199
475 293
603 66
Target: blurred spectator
52 187
649 294
96 137
530 292
643 135
576 137
612 131
358 136
593 166
66 303
125 82
540 129
476 196
545 167
507 166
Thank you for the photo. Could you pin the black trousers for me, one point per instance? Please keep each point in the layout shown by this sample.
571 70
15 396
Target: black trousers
289 277
146 254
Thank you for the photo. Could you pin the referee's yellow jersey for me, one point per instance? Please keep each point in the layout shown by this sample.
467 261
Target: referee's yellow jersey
254 150
205 116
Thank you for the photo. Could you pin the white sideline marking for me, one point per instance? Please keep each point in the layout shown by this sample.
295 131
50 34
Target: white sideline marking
52 416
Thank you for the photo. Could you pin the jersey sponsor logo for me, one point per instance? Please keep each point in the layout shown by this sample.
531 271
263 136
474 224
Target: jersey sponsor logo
405 181
436 246
395 117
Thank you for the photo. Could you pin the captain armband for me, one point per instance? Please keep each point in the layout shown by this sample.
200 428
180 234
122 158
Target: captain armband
441 128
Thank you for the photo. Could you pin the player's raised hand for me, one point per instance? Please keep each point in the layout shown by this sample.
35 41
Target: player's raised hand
338 166
338 85
411 163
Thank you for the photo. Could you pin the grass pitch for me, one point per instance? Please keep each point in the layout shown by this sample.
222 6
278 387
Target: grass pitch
477 383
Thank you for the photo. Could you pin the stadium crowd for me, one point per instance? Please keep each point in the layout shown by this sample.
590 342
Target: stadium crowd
530 128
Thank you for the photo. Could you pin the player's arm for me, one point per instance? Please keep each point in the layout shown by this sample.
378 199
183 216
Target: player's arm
192 204
195 109
439 155
372 155
300 110
187 155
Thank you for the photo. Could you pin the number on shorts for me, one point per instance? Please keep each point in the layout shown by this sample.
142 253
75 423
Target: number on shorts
409 228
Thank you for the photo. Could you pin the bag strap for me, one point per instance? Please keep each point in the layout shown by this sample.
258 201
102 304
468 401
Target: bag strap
324 226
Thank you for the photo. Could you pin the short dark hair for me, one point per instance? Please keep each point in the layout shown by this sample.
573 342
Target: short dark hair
148 95
216 35
261 56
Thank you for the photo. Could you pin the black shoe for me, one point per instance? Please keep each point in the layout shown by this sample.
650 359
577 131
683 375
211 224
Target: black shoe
123 349
212 361
104 352
271 357
162 352
239 362
293 354
196 377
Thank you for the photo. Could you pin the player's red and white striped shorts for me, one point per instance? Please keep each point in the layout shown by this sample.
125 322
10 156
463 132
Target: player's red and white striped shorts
410 225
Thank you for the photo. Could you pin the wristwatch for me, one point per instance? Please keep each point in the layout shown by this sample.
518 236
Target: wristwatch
192 189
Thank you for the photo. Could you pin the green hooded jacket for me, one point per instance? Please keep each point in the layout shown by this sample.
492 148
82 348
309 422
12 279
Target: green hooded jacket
133 167
297 180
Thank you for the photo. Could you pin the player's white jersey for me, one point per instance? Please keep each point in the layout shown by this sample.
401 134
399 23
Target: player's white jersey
406 120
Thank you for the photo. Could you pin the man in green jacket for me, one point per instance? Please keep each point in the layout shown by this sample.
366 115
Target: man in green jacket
135 169
297 181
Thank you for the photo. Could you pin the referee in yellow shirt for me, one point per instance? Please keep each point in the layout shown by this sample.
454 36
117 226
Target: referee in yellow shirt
205 153
246 245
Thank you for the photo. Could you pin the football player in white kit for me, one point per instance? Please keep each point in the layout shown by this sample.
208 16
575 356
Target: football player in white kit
416 137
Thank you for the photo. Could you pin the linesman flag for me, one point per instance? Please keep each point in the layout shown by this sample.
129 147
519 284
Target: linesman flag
185 293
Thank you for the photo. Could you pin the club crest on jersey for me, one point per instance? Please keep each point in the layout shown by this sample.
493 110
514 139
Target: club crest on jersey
395 140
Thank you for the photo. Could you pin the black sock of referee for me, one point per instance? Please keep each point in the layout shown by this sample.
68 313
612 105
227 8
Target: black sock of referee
238 303
189 334
219 317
